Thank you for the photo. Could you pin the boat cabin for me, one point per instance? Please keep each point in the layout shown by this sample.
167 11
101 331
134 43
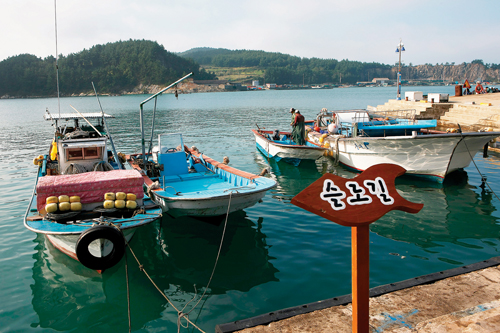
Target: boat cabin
361 123
78 146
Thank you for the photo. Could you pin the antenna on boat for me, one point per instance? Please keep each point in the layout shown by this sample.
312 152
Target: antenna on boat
141 114
57 61
115 155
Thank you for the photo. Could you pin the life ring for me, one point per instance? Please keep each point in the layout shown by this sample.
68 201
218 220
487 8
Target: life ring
108 233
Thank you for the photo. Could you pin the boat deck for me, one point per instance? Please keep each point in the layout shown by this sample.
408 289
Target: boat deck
200 185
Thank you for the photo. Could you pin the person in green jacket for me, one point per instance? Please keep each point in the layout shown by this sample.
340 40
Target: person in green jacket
299 129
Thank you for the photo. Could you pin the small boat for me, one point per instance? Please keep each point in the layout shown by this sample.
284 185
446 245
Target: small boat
359 139
73 181
185 182
280 146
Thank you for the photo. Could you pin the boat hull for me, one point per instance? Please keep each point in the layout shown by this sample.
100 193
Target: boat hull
100 248
206 207
432 156
288 152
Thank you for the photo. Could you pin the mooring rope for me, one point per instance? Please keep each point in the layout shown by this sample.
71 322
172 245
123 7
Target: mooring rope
483 178
128 292
218 255
180 313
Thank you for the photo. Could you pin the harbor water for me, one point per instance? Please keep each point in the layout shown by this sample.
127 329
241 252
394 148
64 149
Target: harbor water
274 255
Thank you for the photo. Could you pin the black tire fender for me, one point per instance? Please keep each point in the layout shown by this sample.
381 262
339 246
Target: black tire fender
107 232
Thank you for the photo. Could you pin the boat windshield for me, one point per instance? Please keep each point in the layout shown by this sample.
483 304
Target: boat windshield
169 143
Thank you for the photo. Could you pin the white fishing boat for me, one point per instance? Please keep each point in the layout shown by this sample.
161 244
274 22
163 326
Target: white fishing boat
361 139
73 181
185 182
280 146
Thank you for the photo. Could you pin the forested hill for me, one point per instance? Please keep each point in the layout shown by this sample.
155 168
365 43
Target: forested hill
113 67
283 69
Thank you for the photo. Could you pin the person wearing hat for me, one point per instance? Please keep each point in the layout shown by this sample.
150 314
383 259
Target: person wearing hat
479 88
299 129
292 111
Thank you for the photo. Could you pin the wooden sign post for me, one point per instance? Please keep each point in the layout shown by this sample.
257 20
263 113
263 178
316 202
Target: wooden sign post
356 203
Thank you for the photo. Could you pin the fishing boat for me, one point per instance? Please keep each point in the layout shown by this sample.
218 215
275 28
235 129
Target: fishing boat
359 139
185 182
85 203
280 146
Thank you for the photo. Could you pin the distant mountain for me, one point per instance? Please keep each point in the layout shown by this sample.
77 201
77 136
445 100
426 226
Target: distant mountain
287 69
114 68
204 55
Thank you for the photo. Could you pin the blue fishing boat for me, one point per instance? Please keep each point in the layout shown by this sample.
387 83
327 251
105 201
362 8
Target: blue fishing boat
185 182
85 203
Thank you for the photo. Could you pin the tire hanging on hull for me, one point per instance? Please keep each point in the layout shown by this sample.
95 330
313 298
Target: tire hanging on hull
108 233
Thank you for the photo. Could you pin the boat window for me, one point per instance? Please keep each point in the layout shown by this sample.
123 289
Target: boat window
74 154
86 153
91 152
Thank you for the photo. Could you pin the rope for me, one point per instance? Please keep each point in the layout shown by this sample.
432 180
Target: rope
128 292
102 166
74 169
180 313
142 269
33 194
483 178
218 254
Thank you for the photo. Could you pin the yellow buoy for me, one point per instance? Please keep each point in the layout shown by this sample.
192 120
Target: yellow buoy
51 200
64 206
121 195
109 196
321 139
63 198
53 151
76 206
120 204
326 145
35 161
51 207
131 204
108 204
131 196
74 198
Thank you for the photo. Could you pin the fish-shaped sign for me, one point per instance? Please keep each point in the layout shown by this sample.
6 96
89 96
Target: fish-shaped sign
357 201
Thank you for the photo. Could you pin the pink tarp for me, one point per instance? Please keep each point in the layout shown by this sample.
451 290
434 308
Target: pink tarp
89 186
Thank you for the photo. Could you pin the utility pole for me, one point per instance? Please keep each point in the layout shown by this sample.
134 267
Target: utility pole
400 48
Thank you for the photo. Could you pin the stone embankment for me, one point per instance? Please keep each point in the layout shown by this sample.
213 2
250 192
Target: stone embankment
467 302
472 112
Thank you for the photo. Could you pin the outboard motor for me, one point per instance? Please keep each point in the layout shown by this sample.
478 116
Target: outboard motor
276 135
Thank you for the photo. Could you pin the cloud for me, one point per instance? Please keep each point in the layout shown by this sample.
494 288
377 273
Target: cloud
433 32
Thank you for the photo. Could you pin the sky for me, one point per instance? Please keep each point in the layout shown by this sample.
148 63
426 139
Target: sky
432 31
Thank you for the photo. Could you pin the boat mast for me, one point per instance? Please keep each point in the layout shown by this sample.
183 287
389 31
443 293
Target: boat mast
57 62
400 48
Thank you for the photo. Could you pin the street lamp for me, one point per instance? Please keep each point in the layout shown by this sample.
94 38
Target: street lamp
400 48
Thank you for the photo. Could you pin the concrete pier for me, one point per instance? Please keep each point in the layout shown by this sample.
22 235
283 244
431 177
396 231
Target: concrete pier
472 112
464 299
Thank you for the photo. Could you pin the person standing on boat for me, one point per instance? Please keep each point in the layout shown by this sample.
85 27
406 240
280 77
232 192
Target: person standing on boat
292 111
299 129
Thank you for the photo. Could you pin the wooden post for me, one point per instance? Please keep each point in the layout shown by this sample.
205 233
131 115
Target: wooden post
356 203
360 278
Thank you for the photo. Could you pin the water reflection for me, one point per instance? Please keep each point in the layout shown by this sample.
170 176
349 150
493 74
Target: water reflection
291 179
179 256
189 248
452 213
